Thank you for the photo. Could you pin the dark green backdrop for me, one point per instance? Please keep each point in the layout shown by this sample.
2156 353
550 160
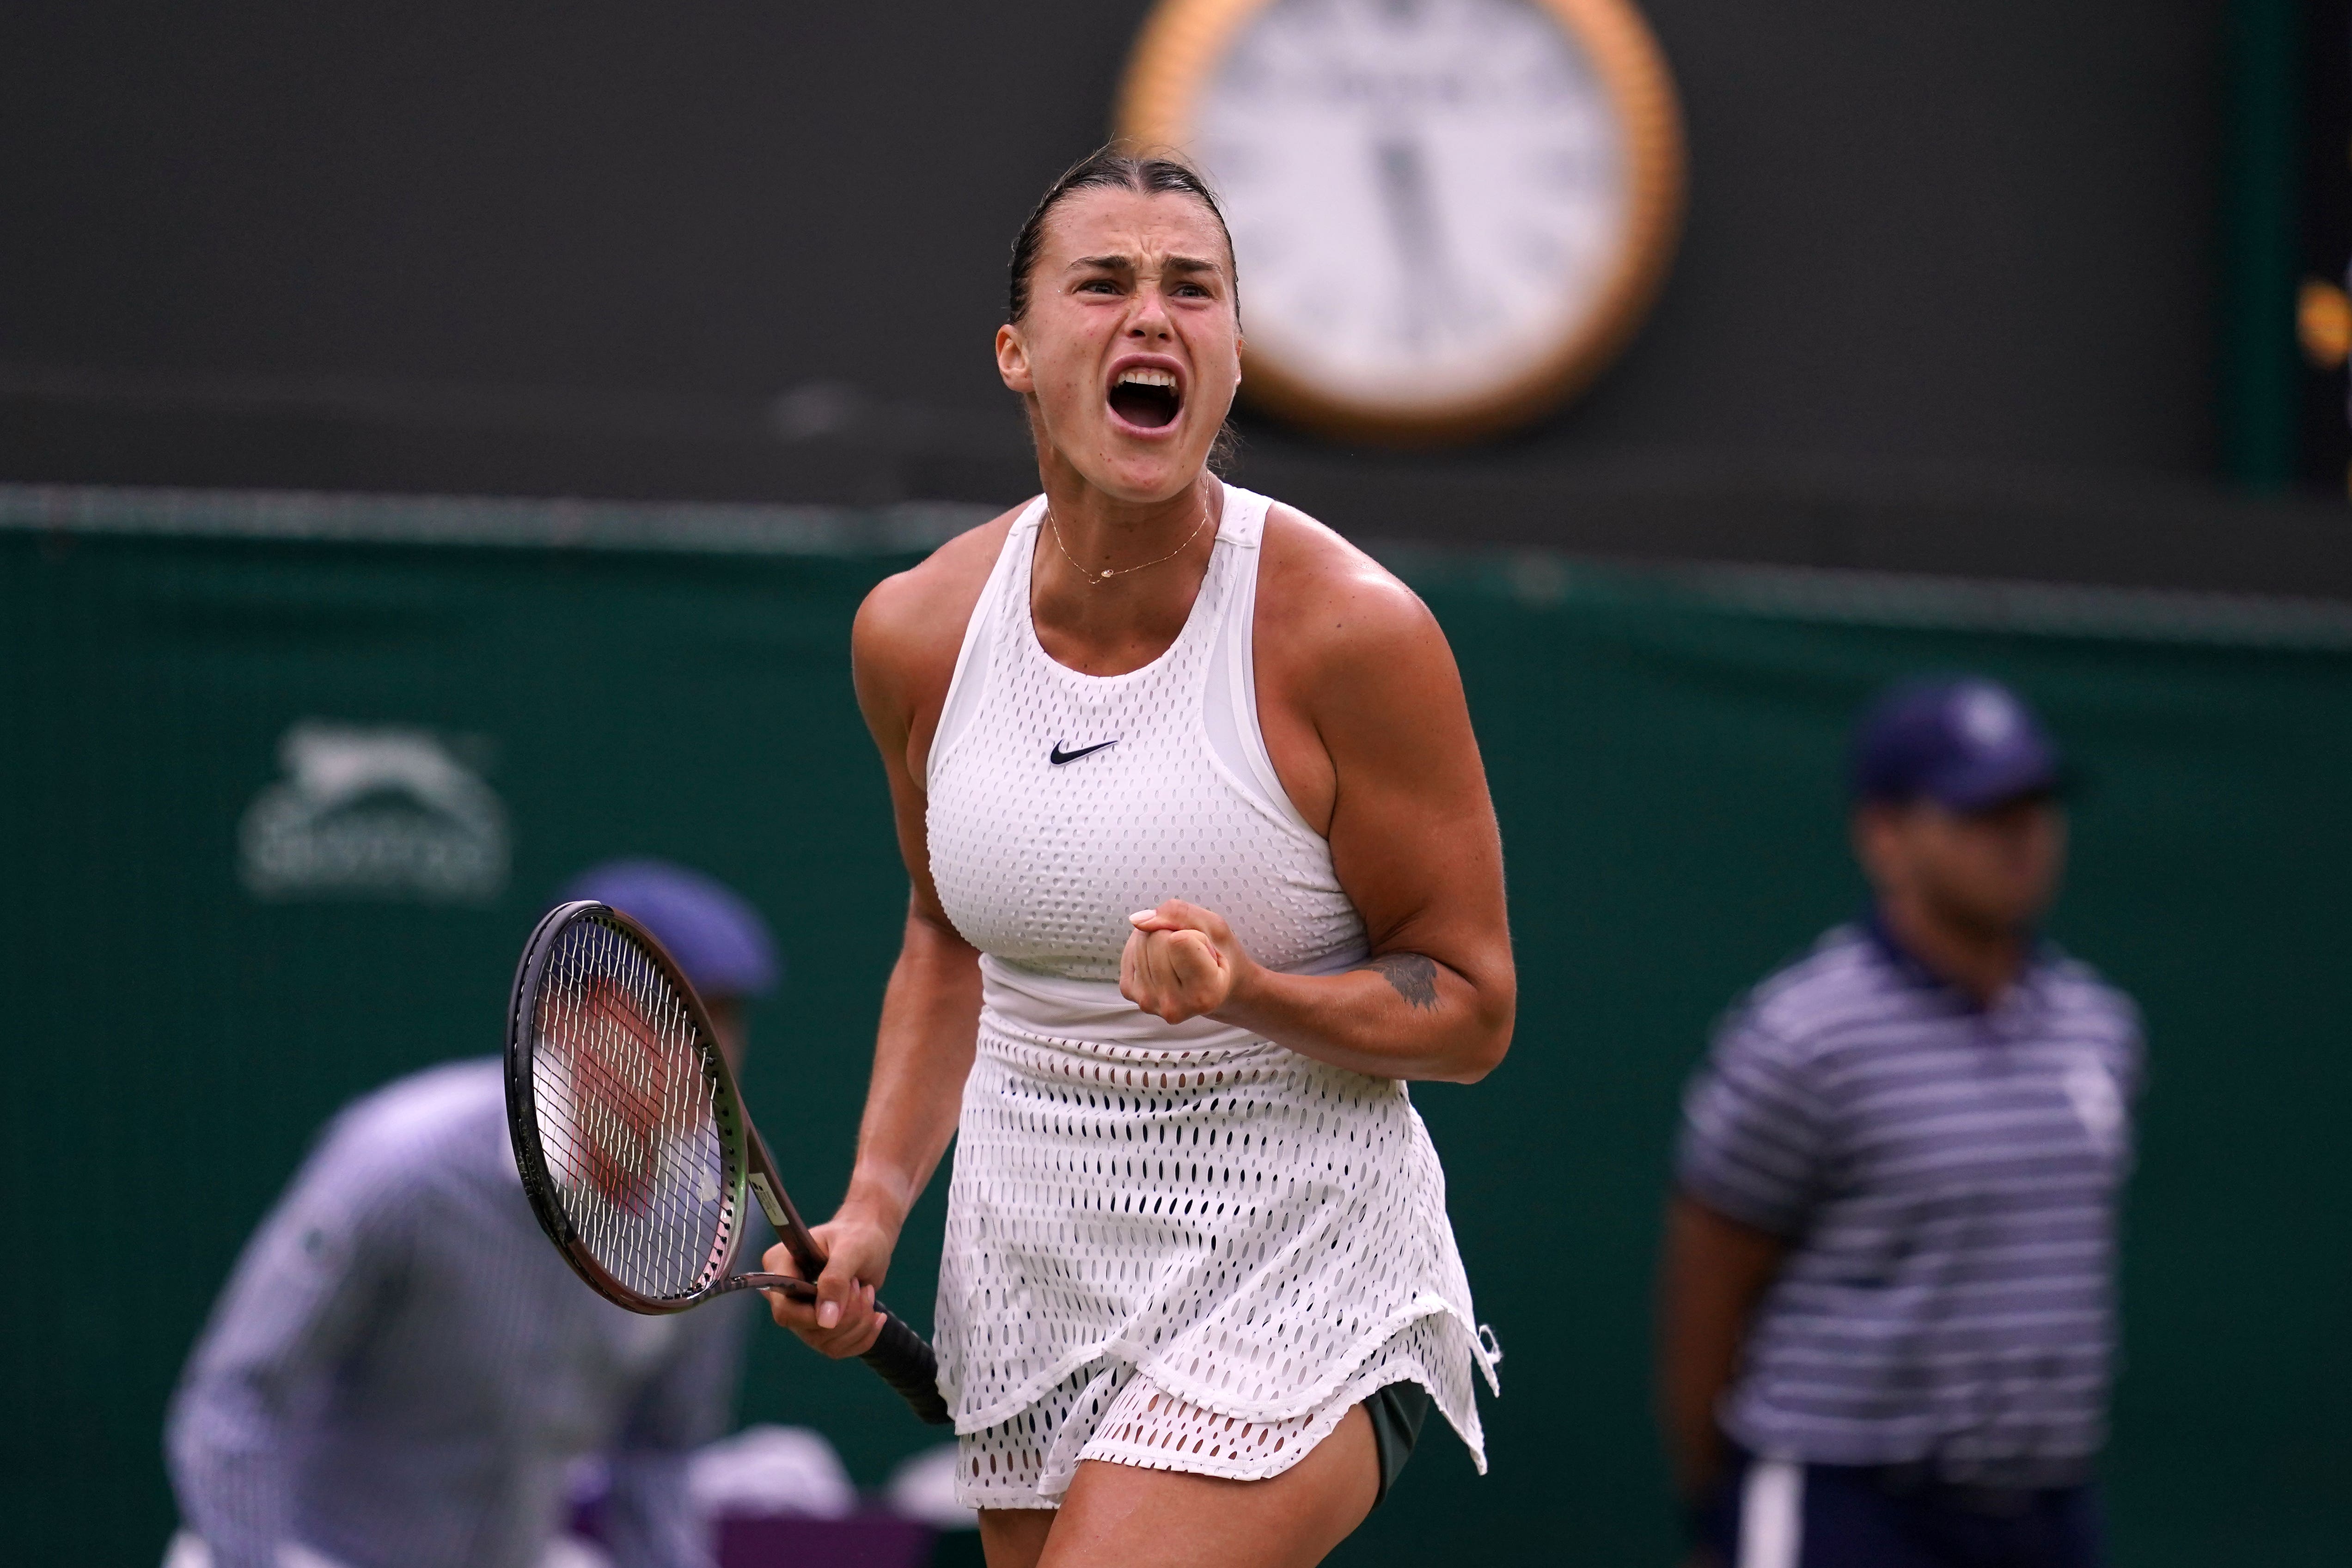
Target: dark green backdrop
1662 752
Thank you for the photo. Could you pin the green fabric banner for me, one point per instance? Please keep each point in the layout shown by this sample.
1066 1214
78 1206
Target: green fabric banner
284 784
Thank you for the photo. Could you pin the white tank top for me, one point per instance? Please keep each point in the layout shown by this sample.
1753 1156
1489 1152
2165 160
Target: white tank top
1060 803
1261 1235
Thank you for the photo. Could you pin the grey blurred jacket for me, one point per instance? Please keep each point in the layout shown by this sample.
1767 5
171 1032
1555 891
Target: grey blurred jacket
401 1370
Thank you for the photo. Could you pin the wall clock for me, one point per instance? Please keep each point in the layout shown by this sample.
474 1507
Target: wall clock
1450 215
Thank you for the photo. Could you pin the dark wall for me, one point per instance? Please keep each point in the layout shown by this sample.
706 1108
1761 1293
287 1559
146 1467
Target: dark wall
532 247
2323 241
1973 233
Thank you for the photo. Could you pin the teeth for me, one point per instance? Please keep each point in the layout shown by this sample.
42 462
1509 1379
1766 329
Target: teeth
1144 376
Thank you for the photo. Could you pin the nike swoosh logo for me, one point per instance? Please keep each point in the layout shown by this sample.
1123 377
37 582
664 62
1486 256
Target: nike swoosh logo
1058 756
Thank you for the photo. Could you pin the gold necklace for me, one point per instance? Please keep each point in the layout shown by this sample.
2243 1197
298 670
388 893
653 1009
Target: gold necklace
1093 580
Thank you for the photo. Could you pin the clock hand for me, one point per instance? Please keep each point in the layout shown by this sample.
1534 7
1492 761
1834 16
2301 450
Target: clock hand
1413 220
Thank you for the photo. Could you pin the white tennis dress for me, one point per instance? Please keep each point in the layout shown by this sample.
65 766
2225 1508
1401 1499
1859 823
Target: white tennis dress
1174 1245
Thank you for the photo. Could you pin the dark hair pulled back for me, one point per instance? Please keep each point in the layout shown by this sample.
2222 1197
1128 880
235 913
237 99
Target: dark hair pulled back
1107 168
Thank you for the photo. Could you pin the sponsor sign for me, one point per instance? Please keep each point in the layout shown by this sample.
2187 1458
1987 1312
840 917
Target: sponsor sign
373 812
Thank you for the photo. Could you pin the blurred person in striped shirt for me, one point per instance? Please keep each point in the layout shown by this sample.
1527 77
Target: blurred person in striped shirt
1886 1325
401 1372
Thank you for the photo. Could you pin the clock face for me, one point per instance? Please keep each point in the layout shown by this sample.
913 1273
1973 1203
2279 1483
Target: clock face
1436 204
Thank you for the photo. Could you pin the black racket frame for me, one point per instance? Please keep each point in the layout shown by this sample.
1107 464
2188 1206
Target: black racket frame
899 1355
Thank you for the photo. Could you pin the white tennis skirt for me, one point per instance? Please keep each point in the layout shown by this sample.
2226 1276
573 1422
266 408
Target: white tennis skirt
1194 1259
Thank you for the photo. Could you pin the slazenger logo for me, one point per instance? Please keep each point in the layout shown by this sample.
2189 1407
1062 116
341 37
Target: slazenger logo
373 812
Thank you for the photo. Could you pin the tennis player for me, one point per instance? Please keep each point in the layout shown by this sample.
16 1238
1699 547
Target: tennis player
1204 871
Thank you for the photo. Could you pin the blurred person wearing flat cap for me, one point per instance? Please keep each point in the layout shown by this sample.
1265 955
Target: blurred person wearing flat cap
401 1371
1886 1324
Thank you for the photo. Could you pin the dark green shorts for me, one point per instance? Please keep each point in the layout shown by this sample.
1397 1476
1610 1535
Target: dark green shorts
1397 1413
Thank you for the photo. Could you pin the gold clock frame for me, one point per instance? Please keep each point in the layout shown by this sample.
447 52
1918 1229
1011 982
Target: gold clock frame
1179 49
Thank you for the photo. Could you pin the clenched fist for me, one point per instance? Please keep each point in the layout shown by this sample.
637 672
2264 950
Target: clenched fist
1180 962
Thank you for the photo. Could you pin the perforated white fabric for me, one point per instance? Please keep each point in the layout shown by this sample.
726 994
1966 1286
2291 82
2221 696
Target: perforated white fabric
1253 1240
1039 863
1118 1415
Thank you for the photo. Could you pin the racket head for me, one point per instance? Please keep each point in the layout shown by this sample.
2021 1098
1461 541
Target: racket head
628 1130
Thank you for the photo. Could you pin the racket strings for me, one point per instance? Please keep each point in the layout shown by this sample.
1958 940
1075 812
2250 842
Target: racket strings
642 1046
628 1114
678 1059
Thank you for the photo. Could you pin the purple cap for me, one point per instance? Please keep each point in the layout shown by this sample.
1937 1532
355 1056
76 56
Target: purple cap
717 937
1966 743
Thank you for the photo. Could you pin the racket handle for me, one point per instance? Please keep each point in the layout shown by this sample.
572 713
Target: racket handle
901 1359
798 1290
898 1355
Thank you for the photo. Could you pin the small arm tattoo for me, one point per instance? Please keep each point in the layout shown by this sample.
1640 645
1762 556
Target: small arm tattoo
1413 976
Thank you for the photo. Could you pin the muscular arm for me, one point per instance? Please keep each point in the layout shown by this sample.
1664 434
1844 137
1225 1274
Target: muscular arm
1712 1272
1364 716
903 650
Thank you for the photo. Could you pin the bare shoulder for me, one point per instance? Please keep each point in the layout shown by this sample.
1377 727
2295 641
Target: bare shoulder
1324 603
911 624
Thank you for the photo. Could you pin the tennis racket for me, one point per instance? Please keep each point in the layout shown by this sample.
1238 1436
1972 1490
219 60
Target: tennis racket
633 1141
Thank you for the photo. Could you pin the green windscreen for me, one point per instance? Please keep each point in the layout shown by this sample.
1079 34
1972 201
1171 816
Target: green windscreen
283 790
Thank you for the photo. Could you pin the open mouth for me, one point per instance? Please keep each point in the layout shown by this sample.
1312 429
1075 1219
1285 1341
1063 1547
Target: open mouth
1146 396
